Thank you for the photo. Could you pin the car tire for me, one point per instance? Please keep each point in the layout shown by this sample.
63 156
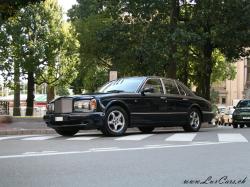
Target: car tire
115 122
248 125
146 129
242 126
235 125
194 121
67 132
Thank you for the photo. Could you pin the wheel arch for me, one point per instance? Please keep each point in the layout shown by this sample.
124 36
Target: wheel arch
120 104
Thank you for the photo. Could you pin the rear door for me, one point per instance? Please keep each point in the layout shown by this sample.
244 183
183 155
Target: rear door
176 103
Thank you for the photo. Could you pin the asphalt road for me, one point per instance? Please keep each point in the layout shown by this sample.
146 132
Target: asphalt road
163 158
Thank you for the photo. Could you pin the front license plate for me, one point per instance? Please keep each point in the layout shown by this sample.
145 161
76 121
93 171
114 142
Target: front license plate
58 118
246 117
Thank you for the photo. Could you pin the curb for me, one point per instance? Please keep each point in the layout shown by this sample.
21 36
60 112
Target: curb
26 119
26 131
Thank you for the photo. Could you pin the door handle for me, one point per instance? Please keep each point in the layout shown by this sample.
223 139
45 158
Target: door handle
165 99
185 99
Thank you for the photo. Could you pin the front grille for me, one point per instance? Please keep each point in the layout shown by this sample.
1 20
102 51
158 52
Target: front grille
63 105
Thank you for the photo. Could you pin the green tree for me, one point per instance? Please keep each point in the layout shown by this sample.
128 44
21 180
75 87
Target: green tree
9 7
45 47
218 25
10 63
171 38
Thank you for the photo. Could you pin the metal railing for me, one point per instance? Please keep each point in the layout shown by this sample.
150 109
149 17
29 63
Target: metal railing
37 111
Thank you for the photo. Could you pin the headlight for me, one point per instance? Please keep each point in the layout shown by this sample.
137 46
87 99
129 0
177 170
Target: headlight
85 105
51 107
92 104
236 112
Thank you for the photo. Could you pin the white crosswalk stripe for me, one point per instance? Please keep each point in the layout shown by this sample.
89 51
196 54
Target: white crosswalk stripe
231 138
182 137
178 137
40 138
134 137
83 138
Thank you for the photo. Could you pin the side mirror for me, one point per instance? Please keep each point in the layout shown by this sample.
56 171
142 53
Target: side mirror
234 107
147 90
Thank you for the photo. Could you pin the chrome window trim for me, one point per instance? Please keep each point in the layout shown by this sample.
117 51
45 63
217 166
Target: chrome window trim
177 87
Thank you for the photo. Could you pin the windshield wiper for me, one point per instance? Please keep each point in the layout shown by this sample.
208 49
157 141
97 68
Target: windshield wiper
115 91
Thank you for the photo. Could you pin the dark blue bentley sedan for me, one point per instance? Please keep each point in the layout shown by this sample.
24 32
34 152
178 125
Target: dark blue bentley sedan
143 102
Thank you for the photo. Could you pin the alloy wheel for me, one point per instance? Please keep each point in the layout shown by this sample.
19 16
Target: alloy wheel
116 121
194 119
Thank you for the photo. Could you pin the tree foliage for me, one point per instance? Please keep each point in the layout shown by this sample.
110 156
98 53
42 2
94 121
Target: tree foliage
44 46
170 37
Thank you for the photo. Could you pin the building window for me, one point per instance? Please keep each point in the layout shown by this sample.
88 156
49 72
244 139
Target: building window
223 100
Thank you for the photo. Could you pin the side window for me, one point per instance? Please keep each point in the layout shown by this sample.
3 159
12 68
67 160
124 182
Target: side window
156 84
170 87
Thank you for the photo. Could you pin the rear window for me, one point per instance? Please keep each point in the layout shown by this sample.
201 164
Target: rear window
185 89
243 103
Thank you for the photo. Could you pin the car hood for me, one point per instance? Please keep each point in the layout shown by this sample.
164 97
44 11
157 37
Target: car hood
94 95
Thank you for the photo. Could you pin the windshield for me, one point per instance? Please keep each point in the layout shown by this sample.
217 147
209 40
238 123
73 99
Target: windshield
243 103
122 85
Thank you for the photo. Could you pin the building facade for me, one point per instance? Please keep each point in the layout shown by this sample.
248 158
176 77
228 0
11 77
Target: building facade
231 91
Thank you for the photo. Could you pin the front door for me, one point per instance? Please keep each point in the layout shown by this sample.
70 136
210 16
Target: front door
150 107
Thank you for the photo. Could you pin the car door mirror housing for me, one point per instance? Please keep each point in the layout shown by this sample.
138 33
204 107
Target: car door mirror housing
147 90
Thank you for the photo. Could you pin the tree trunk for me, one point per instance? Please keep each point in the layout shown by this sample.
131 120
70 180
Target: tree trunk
204 86
30 94
16 107
50 93
174 15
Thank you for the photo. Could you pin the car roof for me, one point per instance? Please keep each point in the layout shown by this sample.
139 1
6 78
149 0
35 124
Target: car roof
245 100
150 76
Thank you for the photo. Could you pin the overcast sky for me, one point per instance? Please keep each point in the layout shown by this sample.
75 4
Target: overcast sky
66 5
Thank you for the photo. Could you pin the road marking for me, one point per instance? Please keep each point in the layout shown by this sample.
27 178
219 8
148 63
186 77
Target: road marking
31 153
37 154
134 137
103 149
83 138
181 137
231 138
40 138
14 137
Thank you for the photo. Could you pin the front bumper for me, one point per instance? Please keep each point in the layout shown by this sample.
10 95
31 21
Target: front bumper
239 119
74 120
208 116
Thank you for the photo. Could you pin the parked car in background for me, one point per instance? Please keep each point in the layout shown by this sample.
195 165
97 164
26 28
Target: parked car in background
215 120
241 114
228 115
221 113
143 102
